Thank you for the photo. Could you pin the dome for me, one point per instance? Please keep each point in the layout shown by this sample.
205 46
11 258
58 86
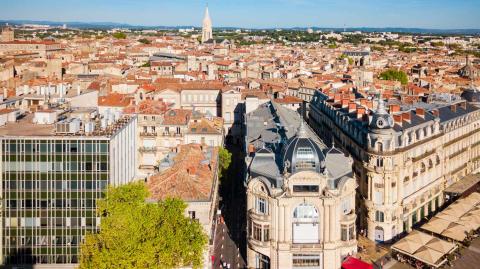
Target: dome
381 119
302 154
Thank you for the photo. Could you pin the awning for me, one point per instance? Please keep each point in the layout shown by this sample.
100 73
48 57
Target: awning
463 184
428 255
436 225
407 246
455 232
354 263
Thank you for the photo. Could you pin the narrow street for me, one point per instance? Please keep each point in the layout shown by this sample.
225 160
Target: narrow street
230 237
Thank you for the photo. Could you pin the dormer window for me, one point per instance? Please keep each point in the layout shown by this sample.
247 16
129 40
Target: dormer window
305 158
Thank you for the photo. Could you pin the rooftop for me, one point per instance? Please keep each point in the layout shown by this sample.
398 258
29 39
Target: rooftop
191 176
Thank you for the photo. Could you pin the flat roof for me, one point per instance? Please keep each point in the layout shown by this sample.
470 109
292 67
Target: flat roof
25 127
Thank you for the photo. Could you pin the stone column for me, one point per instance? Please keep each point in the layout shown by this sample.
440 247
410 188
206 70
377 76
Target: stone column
281 228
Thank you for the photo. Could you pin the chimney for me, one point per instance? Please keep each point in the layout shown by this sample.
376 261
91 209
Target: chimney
406 116
344 103
363 102
370 104
331 96
352 96
78 90
420 112
352 107
337 98
436 113
394 108
453 107
360 112
463 105
398 119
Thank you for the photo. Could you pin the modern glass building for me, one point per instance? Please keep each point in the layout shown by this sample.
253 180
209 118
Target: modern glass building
50 188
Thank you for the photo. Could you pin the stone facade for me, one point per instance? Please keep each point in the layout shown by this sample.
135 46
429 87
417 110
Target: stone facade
404 157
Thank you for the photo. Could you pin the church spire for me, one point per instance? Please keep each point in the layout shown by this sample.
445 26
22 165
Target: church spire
207 32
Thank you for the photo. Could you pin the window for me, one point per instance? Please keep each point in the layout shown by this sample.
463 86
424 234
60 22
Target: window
257 232
305 188
266 236
346 206
379 216
305 224
261 205
306 260
344 233
305 158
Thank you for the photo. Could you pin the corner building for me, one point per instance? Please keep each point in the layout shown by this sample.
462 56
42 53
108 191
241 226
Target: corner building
404 155
300 197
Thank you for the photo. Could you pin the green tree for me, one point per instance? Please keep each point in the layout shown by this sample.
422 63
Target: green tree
224 160
137 234
144 41
119 35
396 75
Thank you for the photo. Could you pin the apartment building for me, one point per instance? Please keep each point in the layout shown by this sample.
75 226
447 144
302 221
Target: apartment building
405 155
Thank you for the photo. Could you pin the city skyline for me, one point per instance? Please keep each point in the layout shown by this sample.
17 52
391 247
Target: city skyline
267 14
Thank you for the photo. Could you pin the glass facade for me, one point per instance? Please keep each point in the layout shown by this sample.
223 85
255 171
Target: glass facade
50 188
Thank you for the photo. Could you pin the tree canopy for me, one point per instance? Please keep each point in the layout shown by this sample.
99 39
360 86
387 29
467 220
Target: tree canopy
396 75
144 41
119 35
224 159
137 234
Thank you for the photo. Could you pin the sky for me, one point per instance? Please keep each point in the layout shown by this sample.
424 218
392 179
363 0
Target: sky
436 14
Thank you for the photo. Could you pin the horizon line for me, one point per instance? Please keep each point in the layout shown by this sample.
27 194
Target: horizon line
239 27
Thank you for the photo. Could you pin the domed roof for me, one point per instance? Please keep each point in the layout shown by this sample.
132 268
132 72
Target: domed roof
381 119
302 154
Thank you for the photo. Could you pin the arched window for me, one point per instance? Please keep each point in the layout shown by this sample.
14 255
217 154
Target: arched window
422 168
380 146
305 224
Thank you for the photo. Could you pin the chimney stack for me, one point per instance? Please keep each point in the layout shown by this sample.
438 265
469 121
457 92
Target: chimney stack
344 103
363 102
360 112
463 105
406 116
420 112
336 98
436 113
352 107
453 107
398 119
394 108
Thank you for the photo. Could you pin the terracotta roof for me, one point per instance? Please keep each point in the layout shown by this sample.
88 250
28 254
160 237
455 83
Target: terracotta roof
115 99
288 99
190 178
147 107
177 117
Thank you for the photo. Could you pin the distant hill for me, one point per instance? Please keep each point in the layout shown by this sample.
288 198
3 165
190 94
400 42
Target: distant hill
110 25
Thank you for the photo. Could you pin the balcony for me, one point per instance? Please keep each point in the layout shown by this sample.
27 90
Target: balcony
258 217
168 134
143 134
147 149
258 244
